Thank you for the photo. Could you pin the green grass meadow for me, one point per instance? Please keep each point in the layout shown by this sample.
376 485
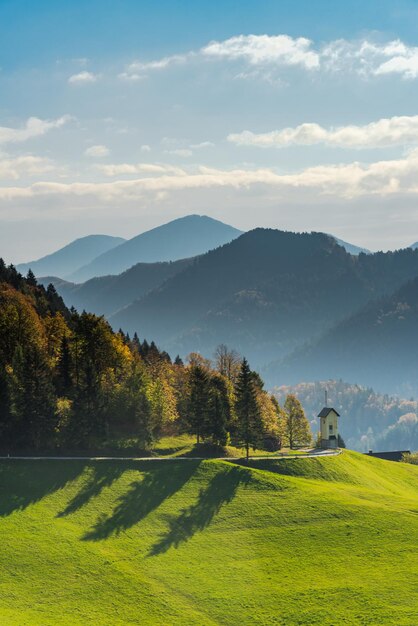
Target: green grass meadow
168 542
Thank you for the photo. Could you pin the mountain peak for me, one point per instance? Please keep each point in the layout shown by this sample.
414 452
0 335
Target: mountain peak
184 237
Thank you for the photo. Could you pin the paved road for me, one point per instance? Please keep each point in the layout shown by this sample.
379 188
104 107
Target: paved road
310 454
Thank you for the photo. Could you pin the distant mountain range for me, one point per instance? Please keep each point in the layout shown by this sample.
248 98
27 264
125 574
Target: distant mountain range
298 305
71 257
265 294
102 255
184 237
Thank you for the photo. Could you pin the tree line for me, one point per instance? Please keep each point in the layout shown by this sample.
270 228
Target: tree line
69 382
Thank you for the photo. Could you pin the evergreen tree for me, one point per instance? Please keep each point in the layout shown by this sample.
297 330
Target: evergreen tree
30 279
297 428
198 400
33 398
249 420
64 368
219 410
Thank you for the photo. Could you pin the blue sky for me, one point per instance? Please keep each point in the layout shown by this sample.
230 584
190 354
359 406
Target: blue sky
116 117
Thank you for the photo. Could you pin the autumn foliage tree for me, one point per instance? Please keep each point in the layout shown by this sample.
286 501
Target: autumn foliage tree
297 430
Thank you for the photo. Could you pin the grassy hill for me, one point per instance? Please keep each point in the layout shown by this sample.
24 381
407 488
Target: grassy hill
303 541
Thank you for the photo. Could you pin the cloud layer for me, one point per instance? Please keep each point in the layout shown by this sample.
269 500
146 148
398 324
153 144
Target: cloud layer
363 57
386 132
382 178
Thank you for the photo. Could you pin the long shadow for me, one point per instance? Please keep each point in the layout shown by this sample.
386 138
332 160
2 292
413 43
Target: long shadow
102 474
198 516
162 479
23 483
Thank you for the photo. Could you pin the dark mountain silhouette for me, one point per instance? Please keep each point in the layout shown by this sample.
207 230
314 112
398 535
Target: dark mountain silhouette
265 294
68 259
185 237
108 294
376 346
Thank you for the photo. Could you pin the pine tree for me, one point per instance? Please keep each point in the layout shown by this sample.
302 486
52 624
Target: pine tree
248 413
64 367
219 410
297 429
30 279
33 398
198 401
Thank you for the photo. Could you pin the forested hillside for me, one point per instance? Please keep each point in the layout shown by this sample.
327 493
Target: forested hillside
69 382
265 294
376 344
106 295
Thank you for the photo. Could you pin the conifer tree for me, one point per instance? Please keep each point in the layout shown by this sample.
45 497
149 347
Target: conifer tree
64 367
33 398
198 401
219 410
249 420
30 279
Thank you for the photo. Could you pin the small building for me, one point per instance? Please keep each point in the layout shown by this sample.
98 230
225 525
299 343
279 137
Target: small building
395 455
329 427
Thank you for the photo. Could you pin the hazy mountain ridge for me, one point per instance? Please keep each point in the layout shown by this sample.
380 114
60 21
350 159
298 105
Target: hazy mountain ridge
264 293
106 295
68 259
179 239
376 344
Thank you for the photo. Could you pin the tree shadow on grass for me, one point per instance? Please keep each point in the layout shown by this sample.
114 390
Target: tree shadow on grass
198 516
162 479
23 483
102 474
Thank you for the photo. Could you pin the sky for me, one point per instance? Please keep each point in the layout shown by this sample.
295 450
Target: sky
116 117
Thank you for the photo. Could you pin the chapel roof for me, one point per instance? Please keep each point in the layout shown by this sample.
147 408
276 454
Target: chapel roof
326 410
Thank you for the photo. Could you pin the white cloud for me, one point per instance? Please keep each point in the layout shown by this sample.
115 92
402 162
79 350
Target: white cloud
263 54
83 78
382 178
386 132
140 168
368 58
15 168
265 49
34 127
138 69
98 151
145 148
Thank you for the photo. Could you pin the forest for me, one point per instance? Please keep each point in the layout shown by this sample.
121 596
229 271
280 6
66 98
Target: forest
68 382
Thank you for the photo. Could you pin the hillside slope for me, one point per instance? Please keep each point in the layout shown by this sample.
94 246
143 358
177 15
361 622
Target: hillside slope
374 345
68 259
184 237
264 294
323 541
108 294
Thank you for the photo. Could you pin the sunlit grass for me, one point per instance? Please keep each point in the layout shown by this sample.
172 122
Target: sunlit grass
304 541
